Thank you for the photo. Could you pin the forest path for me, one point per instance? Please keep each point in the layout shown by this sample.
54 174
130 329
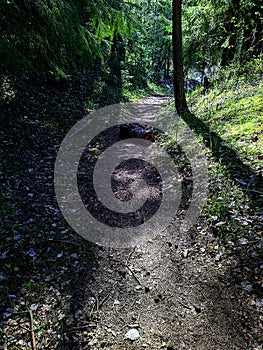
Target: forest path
174 292
175 289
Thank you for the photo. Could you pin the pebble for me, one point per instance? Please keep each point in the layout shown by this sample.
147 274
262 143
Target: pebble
243 241
218 257
132 334
91 300
185 253
31 252
138 287
33 307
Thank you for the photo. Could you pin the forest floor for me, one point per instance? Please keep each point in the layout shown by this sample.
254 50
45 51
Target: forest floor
58 291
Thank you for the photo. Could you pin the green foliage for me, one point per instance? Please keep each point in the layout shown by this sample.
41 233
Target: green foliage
48 35
132 39
219 31
202 27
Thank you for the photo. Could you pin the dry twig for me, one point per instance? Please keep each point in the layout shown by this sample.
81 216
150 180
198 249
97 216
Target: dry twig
32 333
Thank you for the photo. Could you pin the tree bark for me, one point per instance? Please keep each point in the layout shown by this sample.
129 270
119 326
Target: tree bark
179 94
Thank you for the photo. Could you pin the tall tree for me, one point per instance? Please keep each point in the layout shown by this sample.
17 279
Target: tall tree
179 94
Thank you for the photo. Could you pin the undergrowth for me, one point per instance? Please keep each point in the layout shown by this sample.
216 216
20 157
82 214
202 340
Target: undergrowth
233 110
228 119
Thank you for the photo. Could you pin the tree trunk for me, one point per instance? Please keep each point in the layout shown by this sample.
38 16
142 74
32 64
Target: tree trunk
117 57
179 94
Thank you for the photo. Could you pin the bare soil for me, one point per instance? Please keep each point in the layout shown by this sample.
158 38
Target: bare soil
62 292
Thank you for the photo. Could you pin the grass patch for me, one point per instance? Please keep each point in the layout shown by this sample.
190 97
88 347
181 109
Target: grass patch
236 115
228 119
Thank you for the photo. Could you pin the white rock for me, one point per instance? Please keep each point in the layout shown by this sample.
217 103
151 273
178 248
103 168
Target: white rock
33 307
132 334
92 300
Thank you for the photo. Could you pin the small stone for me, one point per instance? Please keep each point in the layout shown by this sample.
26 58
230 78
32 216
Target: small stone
32 253
91 300
218 257
33 307
132 334
243 241
185 253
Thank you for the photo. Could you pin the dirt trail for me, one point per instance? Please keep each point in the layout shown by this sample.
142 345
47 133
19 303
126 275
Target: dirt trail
177 290
175 293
